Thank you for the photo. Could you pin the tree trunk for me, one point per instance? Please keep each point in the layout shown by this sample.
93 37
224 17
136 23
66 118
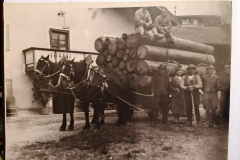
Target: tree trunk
112 48
122 65
100 60
133 53
127 51
109 58
125 57
131 65
115 61
120 53
125 71
110 65
148 67
163 54
105 52
133 41
186 45
101 43
121 44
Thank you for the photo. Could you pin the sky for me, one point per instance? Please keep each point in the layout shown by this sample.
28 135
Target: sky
221 8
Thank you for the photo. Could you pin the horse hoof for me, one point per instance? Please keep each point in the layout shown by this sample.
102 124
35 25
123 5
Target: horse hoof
62 128
70 128
86 127
102 122
93 121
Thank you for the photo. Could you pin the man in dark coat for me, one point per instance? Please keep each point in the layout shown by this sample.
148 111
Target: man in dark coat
191 83
210 97
224 87
160 91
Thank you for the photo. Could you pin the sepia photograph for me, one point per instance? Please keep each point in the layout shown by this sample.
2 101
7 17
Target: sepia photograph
130 80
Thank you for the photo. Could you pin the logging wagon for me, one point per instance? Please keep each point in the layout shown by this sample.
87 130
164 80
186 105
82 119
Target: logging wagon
139 59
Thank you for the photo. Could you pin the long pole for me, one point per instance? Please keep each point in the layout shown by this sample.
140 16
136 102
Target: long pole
195 120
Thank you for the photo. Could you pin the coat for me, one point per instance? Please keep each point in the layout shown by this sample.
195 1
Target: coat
178 102
156 85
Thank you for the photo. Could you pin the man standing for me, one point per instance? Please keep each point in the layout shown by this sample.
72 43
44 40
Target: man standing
143 23
160 91
210 97
224 87
164 25
191 83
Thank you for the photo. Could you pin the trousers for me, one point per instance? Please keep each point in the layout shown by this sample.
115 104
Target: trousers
162 102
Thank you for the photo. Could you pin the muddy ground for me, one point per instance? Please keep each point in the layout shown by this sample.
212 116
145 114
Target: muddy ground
38 138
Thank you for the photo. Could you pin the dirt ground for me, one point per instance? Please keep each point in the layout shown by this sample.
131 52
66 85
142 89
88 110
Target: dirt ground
38 138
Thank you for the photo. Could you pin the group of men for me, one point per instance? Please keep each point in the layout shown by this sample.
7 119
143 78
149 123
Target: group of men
161 28
192 86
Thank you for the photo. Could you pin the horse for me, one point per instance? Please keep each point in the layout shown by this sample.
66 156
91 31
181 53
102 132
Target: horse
48 69
97 88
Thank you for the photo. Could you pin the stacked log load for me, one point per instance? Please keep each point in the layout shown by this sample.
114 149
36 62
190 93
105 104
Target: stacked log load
139 58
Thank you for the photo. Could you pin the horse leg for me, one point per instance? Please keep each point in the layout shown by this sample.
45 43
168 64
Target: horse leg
71 111
64 123
118 123
97 108
102 121
94 115
86 112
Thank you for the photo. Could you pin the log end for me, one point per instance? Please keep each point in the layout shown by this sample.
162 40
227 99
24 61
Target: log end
142 52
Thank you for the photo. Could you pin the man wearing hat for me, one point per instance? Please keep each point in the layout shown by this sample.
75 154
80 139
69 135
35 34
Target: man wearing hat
143 23
224 87
210 97
160 91
191 83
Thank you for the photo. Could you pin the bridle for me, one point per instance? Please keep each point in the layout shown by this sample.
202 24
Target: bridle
49 69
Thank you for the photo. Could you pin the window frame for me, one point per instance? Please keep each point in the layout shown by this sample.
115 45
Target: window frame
51 30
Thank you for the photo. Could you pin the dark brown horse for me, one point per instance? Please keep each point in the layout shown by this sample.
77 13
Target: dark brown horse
96 88
47 69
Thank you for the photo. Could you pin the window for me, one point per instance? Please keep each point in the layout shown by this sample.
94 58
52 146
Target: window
59 39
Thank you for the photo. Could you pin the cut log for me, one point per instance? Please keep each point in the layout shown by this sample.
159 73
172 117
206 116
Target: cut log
124 36
133 81
133 41
112 48
105 52
133 53
101 43
120 53
182 44
148 67
115 61
125 57
100 60
122 65
121 44
125 71
145 80
162 54
127 51
109 58
131 65
110 65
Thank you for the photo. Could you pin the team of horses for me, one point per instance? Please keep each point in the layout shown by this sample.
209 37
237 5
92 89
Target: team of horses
85 84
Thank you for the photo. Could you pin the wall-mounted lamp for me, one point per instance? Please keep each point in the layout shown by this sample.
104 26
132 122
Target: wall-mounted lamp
62 14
